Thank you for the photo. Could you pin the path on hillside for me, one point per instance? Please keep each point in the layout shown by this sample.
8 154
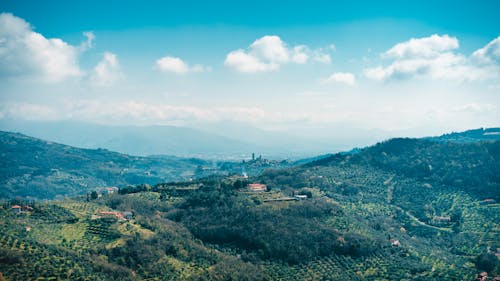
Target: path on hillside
415 219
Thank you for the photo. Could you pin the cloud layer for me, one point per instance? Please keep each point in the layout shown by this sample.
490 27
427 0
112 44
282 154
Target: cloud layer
268 53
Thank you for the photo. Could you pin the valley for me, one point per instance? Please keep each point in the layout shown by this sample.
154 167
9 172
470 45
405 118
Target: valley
403 209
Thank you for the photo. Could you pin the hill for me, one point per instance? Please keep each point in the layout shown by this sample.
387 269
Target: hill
40 169
481 134
403 209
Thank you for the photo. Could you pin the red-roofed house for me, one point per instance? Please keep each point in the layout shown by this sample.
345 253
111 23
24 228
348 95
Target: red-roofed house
111 190
16 209
257 187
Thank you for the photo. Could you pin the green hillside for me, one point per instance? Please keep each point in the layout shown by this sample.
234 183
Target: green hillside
404 209
35 168
38 169
481 134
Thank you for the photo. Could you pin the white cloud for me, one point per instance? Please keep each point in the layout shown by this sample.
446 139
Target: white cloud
322 57
24 52
243 62
431 46
342 78
269 52
432 57
489 53
89 43
107 72
177 65
299 54
270 48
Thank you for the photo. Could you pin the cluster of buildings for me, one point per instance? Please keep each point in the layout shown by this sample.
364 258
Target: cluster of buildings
18 209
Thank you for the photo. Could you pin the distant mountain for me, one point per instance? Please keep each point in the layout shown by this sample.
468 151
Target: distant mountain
222 141
40 169
135 140
481 134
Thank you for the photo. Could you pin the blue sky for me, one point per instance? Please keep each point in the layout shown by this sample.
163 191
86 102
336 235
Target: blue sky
421 67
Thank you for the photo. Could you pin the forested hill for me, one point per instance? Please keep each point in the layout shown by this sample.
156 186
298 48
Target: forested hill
470 167
481 134
35 168
403 209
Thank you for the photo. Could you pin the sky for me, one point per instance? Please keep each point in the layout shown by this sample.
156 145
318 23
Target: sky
419 67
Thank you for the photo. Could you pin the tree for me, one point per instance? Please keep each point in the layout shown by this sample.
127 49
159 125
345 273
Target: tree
487 262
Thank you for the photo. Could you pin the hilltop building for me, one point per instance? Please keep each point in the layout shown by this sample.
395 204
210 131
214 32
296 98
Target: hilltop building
257 187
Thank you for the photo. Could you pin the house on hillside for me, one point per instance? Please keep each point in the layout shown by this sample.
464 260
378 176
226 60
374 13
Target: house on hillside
300 196
110 190
16 209
442 220
121 216
395 243
128 215
257 187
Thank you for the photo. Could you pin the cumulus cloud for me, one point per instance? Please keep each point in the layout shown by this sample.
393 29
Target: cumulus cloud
243 62
24 52
489 53
107 71
268 53
177 65
431 46
342 78
432 57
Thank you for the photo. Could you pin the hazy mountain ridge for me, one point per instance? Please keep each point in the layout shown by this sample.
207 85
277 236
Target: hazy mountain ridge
219 141
133 140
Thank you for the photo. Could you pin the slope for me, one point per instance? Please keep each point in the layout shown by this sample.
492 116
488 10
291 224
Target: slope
39 169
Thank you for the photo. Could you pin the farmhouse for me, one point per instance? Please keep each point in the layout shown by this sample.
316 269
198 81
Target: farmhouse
121 216
395 243
117 215
16 209
439 220
257 187
110 190
128 215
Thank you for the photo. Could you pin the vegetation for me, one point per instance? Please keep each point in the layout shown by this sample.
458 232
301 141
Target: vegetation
36 169
404 209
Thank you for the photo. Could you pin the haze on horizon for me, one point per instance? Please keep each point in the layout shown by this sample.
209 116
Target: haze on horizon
316 69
